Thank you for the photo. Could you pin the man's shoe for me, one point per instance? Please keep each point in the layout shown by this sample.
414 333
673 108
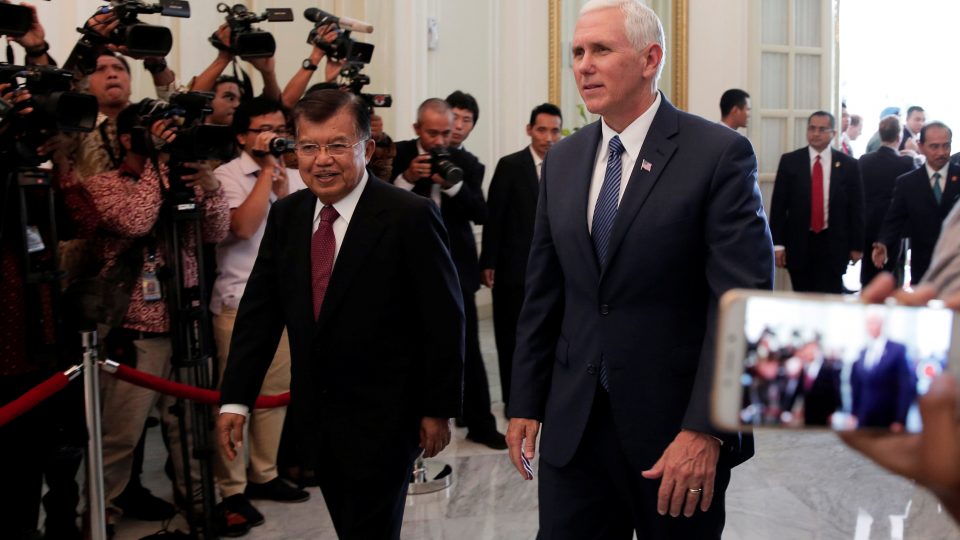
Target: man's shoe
240 504
143 505
231 524
276 490
491 439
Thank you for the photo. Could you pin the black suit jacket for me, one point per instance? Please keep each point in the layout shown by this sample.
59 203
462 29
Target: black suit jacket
689 227
879 171
915 214
388 347
512 201
458 211
790 208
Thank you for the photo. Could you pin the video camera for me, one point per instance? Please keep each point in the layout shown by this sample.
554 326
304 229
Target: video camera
15 20
356 54
195 140
139 38
245 40
55 107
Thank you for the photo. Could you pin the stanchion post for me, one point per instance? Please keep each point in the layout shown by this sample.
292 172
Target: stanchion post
91 390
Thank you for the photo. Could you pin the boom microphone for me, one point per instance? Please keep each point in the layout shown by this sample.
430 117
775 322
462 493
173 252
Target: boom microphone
317 15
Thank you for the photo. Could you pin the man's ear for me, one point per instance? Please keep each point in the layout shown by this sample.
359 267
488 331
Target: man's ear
126 141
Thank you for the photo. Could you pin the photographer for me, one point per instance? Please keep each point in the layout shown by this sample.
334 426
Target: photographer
460 203
252 183
124 208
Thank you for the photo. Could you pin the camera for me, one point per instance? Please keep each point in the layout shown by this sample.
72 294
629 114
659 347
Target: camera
245 40
441 162
280 145
15 21
139 38
55 107
195 140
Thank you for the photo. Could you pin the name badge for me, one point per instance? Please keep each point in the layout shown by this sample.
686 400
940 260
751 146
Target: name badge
34 240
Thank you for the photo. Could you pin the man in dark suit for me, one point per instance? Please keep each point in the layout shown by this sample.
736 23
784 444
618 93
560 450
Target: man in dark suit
461 205
921 200
645 218
512 200
816 213
879 171
359 273
881 382
817 385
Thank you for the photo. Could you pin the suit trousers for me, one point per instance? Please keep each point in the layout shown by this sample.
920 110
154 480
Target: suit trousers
476 389
599 495
125 410
818 273
263 427
507 301
367 500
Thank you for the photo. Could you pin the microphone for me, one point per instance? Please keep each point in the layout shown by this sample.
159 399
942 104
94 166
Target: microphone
318 15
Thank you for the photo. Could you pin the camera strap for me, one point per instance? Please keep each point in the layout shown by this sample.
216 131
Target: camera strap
9 53
115 160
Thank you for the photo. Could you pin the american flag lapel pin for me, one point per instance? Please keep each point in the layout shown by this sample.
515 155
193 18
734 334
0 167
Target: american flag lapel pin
646 165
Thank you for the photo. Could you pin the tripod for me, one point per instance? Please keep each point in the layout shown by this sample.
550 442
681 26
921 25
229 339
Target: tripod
190 336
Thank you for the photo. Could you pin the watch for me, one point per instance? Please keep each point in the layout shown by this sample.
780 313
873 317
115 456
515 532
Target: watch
38 51
156 67
308 65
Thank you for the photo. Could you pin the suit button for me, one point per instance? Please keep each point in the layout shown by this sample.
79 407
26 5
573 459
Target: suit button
591 369
604 309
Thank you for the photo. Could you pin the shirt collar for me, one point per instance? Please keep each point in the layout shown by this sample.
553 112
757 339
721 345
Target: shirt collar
247 164
347 205
420 150
633 135
825 156
537 160
943 171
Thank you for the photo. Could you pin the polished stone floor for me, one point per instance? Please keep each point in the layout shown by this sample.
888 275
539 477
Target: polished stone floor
800 486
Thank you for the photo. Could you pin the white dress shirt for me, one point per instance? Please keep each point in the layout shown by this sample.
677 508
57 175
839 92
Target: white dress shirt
537 162
632 138
943 175
435 189
345 207
874 352
235 256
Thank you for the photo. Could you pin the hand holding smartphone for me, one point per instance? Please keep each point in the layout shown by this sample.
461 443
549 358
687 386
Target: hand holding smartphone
823 361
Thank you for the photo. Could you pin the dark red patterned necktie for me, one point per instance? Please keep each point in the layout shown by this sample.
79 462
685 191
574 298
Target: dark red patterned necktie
323 246
816 199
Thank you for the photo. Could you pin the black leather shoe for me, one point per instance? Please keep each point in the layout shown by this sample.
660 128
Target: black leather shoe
491 439
240 504
141 504
276 490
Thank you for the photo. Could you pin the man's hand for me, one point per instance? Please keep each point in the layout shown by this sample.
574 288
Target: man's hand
230 433
264 65
376 127
203 177
35 36
419 168
855 256
781 258
522 437
690 462
879 255
486 276
434 435
223 34
261 151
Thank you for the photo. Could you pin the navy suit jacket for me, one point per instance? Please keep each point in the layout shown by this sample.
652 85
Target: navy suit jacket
459 211
915 214
790 208
388 347
508 232
687 230
882 395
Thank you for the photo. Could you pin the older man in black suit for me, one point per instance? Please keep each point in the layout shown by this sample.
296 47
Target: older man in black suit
816 212
922 199
461 204
512 200
359 273
879 171
645 218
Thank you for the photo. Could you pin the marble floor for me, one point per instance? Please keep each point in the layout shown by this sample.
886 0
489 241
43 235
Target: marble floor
800 486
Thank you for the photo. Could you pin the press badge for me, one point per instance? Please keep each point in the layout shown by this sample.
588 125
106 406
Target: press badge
150 283
34 240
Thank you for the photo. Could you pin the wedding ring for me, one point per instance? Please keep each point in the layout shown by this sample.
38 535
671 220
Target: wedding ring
694 490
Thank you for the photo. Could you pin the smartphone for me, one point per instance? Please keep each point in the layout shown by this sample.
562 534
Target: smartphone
827 361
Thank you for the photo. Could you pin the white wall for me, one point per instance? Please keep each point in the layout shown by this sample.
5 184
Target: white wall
718 54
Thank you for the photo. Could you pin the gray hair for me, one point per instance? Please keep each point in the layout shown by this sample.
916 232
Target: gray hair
641 24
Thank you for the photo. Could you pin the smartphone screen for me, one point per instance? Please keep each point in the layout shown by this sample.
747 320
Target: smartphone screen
827 362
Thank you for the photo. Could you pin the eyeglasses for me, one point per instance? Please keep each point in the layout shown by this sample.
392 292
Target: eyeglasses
333 149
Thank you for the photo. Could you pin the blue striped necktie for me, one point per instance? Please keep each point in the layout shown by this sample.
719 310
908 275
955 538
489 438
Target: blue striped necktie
608 201
603 216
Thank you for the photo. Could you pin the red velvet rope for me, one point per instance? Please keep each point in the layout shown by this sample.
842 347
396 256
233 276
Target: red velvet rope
200 395
33 397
